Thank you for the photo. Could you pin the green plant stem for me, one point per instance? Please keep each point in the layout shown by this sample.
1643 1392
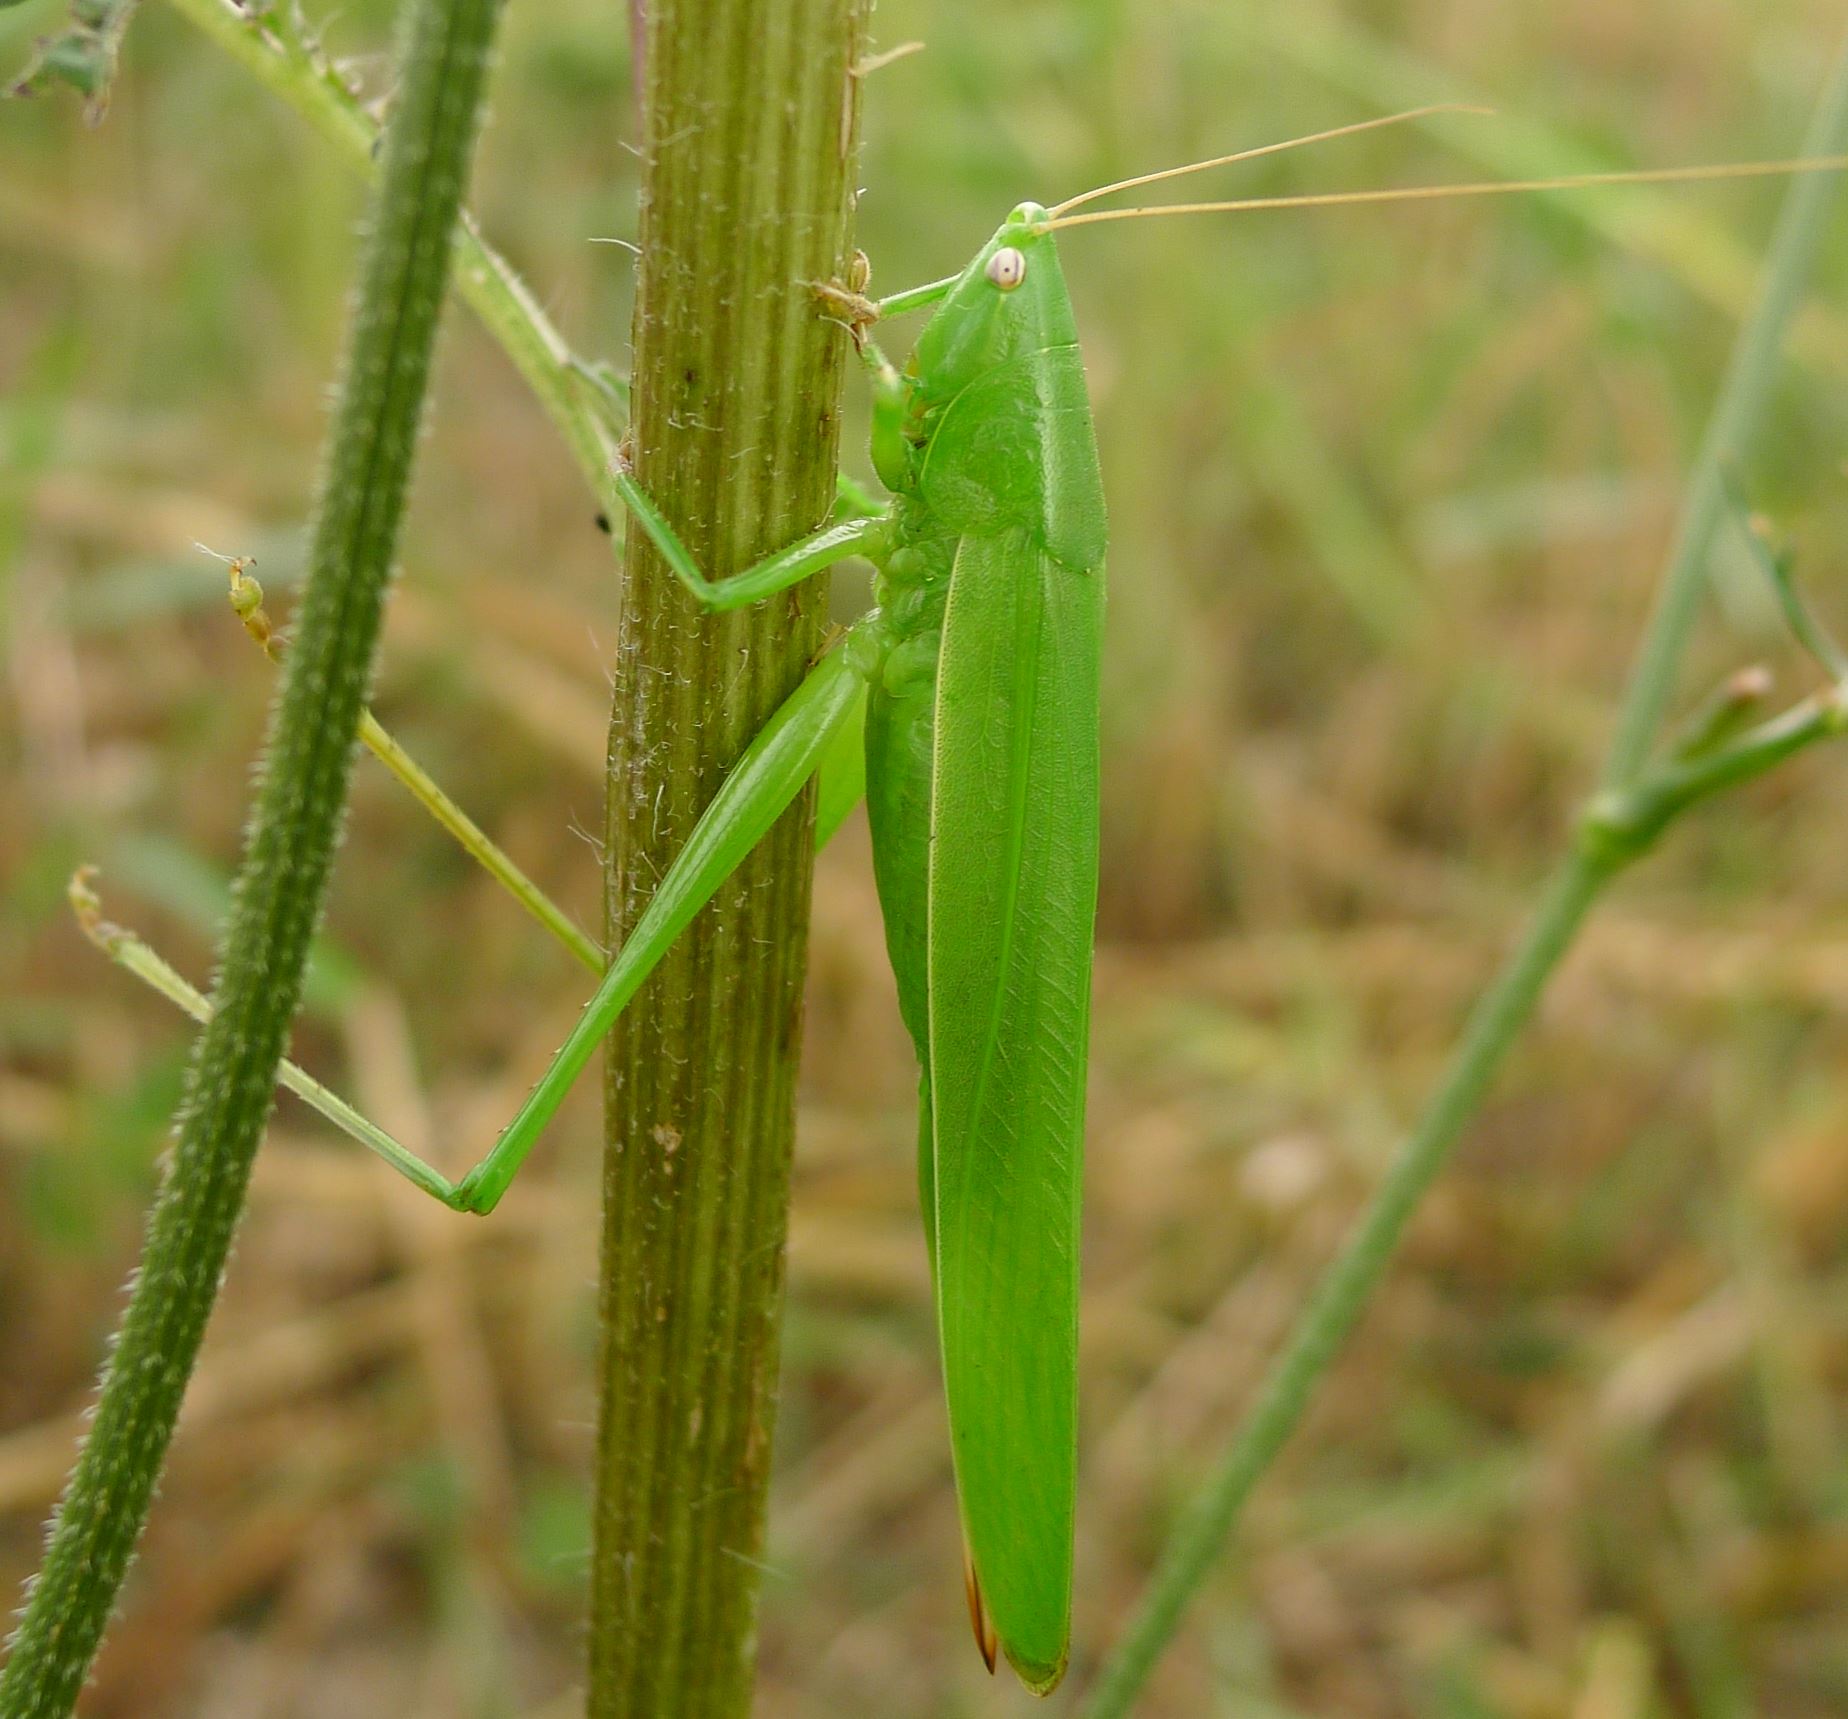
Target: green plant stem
1622 824
1744 396
1617 830
287 858
1342 1294
748 132
485 280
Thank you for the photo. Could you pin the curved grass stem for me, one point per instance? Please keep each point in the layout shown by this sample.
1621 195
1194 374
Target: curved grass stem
1618 829
1342 1294
1636 807
294 69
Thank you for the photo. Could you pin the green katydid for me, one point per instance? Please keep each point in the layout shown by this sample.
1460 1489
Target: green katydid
978 677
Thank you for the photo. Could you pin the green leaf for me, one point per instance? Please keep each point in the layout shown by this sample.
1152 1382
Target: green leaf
83 56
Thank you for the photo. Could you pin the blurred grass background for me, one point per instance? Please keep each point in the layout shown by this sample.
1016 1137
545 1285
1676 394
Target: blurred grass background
1388 494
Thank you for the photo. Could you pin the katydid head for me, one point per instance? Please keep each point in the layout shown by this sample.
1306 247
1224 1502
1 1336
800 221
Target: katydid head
998 426
1010 300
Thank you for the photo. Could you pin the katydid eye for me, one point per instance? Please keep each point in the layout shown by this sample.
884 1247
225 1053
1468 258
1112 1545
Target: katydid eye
1007 268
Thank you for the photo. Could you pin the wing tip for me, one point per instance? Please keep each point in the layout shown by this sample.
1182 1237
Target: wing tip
1037 1677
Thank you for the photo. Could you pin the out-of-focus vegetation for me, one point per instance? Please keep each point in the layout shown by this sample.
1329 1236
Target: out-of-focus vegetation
1388 493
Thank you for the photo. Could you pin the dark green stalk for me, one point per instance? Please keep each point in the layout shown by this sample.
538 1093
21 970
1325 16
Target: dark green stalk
749 110
289 849
1619 827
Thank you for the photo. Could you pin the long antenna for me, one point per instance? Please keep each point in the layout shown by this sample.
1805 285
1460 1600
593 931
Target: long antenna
1266 149
1485 188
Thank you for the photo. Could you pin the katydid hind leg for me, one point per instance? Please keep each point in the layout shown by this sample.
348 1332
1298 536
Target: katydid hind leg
789 749
760 788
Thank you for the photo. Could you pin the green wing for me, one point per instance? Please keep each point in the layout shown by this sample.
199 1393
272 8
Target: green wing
1012 902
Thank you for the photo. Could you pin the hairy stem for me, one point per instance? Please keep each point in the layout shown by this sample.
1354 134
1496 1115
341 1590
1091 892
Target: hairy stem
1622 824
749 109
288 853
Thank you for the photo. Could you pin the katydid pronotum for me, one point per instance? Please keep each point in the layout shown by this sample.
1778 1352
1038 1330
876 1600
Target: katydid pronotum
977 673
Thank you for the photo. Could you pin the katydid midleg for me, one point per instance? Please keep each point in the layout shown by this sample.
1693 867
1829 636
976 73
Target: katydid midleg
978 676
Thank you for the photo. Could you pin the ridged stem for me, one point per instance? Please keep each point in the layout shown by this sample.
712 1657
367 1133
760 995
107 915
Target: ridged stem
749 110
282 883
